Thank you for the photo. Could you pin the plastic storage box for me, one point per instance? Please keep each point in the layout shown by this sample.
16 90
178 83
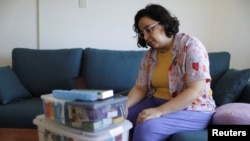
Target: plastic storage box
94 116
53 131
85 115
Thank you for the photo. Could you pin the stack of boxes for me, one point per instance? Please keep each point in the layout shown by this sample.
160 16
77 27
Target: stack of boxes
72 120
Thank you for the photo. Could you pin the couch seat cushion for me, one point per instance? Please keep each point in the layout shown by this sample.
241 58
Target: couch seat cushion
21 114
196 135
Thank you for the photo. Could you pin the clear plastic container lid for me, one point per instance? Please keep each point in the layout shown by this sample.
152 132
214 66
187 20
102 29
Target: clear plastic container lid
99 103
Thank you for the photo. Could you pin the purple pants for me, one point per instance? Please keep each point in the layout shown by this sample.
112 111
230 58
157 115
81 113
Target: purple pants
161 128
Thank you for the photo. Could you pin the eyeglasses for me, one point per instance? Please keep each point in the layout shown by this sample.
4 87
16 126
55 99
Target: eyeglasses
147 30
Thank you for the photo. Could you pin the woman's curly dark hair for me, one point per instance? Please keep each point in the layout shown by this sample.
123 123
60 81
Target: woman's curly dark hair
160 14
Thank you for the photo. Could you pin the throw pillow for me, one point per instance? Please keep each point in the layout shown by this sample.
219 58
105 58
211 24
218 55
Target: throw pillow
230 85
232 114
11 88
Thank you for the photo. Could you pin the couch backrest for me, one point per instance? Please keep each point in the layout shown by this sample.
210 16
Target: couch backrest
110 69
41 71
219 64
117 69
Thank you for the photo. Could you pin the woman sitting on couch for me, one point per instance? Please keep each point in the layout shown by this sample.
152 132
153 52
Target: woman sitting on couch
172 91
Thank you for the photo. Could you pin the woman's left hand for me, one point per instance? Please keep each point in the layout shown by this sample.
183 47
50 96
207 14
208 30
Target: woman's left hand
147 114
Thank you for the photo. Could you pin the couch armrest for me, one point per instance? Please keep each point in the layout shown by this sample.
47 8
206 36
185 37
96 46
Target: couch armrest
245 95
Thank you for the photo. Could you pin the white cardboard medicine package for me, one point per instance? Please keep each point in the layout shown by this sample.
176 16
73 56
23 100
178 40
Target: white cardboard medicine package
52 131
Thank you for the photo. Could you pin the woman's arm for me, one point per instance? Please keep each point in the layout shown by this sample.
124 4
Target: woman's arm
186 98
136 94
193 91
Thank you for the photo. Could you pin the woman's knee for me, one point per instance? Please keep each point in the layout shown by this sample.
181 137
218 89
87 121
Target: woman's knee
142 132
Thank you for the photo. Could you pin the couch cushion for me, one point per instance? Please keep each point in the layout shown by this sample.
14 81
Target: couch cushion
41 71
232 114
111 69
230 85
196 135
11 88
21 114
219 64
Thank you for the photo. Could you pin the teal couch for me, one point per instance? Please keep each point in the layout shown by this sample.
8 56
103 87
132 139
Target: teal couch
37 72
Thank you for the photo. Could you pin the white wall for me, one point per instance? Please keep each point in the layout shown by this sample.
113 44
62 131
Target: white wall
18 27
222 25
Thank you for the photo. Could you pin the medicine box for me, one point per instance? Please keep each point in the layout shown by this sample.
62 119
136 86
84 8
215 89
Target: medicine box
53 131
54 109
94 116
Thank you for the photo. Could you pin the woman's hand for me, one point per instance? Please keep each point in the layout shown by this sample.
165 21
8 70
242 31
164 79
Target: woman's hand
147 114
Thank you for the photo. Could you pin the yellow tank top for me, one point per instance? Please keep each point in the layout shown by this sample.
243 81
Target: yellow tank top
160 77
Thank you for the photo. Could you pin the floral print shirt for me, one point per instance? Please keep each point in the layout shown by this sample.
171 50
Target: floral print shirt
190 62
